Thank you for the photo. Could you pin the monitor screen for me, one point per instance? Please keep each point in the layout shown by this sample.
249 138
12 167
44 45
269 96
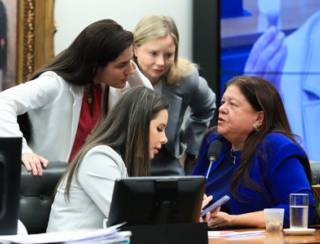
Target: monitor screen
10 167
277 40
262 39
157 200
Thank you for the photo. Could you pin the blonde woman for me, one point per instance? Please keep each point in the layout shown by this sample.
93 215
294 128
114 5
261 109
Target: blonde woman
156 46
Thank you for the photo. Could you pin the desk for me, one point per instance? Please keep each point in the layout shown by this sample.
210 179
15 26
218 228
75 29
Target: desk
267 238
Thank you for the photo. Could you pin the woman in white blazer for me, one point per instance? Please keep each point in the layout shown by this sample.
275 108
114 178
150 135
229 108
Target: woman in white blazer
97 62
121 146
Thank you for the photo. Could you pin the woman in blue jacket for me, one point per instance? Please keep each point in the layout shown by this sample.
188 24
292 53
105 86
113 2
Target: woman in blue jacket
259 162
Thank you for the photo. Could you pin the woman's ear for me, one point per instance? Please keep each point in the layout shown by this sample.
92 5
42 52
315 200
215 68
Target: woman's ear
135 47
260 118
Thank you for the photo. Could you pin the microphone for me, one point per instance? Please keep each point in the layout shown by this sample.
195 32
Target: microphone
213 153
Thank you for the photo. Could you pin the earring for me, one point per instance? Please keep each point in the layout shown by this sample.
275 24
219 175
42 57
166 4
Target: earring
256 127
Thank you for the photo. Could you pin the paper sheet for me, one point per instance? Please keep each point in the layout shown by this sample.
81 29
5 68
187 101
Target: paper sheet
234 234
110 233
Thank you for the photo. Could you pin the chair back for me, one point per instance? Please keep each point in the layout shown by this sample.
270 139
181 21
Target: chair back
10 164
37 194
315 170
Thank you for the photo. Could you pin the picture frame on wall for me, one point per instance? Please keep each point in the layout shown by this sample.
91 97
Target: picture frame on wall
35 36
26 38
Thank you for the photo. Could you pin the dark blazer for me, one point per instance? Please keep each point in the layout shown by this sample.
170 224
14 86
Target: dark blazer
192 106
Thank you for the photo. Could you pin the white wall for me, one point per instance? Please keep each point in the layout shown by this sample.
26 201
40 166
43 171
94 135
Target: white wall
71 16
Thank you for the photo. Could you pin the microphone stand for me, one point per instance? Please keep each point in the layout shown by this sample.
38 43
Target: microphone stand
211 159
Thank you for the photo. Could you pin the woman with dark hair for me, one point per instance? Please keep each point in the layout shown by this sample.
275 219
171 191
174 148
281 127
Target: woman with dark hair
122 145
259 163
66 98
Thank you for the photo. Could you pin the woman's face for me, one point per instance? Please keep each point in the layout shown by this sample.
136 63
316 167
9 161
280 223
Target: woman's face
155 57
116 73
157 135
237 117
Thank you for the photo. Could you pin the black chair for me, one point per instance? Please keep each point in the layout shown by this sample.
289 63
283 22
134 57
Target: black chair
165 165
36 196
315 170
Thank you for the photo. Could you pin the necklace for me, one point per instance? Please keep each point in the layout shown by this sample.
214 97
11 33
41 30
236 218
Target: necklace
234 155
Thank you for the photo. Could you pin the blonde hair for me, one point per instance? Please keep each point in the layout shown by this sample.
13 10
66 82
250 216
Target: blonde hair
155 26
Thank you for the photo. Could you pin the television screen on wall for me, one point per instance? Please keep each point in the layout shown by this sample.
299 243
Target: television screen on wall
278 40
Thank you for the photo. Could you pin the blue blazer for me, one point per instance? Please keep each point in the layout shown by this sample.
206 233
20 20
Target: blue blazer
276 168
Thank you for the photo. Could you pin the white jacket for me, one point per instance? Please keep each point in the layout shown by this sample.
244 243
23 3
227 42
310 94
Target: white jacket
53 106
90 192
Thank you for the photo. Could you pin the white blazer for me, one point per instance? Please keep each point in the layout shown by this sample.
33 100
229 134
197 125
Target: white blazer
90 192
54 108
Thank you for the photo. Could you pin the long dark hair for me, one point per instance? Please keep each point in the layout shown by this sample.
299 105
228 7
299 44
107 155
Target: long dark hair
262 96
126 130
97 45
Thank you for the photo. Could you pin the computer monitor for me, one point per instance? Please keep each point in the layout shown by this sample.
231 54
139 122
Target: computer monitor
156 200
10 167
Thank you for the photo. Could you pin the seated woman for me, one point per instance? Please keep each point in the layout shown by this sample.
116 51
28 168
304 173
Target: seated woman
260 163
123 144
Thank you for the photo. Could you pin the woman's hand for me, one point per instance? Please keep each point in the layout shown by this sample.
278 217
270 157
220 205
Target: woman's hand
267 56
219 219
34 163
205 201
136 78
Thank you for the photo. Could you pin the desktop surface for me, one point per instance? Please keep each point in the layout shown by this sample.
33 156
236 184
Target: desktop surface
265 237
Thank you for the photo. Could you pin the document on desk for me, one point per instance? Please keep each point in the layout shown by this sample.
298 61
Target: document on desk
234 234
108 235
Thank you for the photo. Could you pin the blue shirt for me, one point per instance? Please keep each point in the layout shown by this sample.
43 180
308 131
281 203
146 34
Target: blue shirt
275 167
